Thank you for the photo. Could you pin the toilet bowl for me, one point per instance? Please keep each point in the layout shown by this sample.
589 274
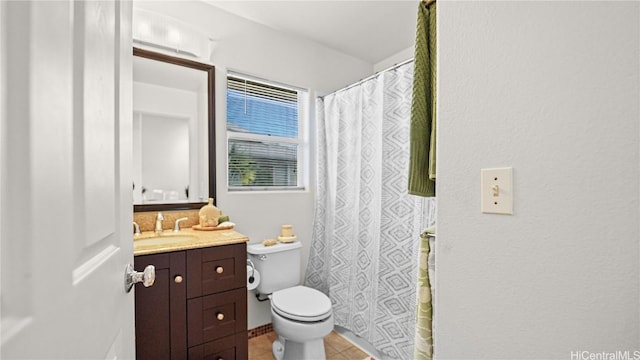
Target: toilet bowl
301 341
301 316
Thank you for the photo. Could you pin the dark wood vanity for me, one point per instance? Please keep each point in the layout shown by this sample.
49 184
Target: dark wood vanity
197 307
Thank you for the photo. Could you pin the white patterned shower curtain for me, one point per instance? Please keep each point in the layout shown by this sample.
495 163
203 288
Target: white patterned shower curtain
364 253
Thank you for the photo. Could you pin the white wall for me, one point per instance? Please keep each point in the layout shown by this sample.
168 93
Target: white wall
250 48
552 89
395 59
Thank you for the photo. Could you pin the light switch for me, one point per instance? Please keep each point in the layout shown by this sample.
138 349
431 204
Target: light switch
496 187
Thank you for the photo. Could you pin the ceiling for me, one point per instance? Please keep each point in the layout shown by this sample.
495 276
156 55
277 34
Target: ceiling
368 30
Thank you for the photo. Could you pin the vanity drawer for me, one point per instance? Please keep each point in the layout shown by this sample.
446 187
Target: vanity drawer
214 316
230 347
216 269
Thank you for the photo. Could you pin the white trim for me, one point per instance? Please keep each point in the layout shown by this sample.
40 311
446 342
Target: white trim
264 81
268 189
302 172
3 117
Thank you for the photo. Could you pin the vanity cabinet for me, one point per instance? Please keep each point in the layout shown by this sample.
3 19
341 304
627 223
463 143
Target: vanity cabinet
197 307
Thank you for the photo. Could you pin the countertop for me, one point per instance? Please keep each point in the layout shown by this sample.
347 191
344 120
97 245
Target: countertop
149 243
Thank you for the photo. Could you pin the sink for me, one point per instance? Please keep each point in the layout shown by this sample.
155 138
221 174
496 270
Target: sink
163 239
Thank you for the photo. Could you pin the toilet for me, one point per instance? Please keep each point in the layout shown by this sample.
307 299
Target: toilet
301 316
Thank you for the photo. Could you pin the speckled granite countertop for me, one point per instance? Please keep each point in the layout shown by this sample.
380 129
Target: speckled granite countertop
149 243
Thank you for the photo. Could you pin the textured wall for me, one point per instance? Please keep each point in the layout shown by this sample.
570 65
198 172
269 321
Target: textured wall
551 89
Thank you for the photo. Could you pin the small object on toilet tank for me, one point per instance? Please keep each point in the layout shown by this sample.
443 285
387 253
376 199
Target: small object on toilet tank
286 234
269 242
286 231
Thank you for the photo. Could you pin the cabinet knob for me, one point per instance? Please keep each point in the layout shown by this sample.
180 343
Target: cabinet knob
220 316
178 279
219 269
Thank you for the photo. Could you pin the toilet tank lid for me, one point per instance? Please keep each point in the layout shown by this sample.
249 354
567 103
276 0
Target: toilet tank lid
258 249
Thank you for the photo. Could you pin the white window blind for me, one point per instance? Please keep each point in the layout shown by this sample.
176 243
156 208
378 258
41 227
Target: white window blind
263 128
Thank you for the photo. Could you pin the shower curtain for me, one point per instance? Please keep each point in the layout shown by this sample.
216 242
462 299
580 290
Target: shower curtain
364 252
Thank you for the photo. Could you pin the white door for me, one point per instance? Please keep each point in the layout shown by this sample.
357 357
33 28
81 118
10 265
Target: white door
66 199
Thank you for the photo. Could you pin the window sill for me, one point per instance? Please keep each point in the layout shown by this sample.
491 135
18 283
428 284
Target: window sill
265 190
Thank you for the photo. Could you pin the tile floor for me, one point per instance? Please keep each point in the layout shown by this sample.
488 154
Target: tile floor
335 347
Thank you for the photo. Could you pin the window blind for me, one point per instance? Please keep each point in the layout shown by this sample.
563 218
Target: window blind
258 108
262 164
263 139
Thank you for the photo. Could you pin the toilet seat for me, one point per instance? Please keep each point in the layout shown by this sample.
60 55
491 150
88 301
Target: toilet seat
301 303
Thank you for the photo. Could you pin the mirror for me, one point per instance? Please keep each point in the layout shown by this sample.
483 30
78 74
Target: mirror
173 132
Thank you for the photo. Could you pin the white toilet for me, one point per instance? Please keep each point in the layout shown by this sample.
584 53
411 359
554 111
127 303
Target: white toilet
301 316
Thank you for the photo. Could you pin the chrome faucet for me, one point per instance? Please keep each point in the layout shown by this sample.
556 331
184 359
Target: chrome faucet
136 229
176 228
159 219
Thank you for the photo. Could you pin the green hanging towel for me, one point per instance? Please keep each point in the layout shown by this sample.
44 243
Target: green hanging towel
422 158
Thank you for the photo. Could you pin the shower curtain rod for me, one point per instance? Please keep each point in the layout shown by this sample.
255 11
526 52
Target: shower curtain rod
395 66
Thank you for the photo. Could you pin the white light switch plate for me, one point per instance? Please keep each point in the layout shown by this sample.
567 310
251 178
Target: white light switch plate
496 190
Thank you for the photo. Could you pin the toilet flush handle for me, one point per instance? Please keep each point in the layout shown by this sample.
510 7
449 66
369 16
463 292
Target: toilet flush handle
262 257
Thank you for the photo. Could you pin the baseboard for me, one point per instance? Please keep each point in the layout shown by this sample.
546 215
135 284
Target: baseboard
260 330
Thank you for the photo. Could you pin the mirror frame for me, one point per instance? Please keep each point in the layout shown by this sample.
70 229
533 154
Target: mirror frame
210 70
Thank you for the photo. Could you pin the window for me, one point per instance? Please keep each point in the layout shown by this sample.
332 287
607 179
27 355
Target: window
264 134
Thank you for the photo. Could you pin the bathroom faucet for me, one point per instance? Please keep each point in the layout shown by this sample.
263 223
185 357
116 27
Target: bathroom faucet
176 228
159 219
137 229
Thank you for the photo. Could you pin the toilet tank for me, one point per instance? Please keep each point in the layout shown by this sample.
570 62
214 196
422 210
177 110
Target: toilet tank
279 265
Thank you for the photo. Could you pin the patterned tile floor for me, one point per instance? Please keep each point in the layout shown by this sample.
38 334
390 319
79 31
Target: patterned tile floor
335 347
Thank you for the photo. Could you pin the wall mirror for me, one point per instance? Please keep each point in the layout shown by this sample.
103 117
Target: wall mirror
173 132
